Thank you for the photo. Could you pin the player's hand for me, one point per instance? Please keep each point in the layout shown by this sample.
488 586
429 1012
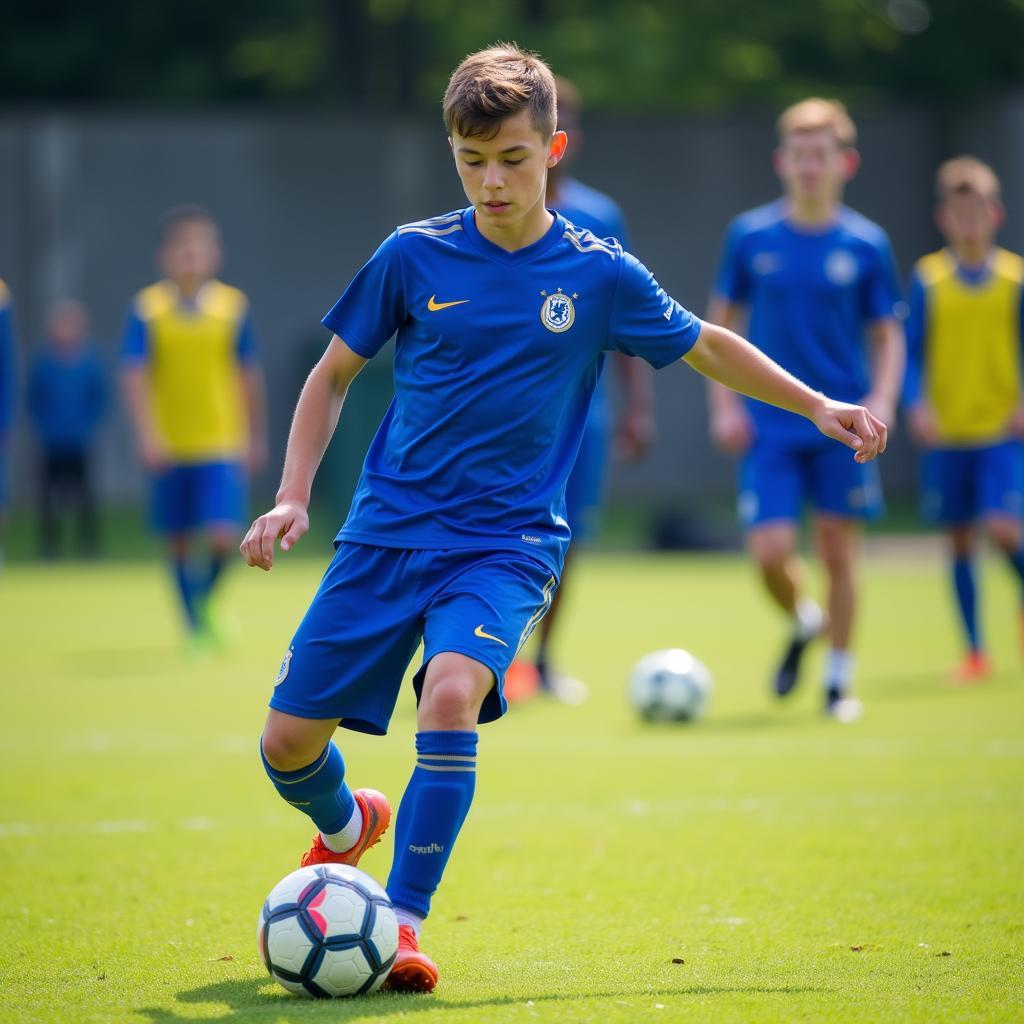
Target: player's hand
731 429
288 520
153 454
256 456
854 426
923 425
1015 428
881 408
634 434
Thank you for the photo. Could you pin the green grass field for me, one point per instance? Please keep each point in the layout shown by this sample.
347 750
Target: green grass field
801 870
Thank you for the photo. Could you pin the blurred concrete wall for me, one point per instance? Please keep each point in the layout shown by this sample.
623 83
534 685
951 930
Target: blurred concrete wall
304 200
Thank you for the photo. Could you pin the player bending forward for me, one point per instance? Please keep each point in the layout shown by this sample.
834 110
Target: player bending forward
456 534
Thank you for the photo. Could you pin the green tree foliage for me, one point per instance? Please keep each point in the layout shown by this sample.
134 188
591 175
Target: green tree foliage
657 55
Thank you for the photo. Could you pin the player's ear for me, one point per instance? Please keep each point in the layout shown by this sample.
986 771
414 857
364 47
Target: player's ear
557 148
998 214
851 162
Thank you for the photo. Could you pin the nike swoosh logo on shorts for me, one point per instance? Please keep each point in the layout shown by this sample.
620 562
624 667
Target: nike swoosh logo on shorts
479 631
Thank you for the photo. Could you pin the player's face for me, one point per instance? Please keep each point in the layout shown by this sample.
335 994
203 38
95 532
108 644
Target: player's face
967 218
505 177
192 252
813 166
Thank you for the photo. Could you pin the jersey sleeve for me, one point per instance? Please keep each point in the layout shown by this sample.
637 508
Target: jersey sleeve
245 346
647 322
134 338
732 279
372 307
880 292
913 377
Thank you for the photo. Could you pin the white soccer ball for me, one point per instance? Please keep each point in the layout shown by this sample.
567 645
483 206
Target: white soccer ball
328 930
670 686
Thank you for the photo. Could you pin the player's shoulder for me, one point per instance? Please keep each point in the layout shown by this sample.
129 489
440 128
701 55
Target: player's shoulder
154 300
934 267
585 242
577 194
1009 265
859 228
443 226
758 220
224 300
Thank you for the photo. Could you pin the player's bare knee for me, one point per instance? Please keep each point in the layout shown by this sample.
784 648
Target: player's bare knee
771 553
449 701
287 750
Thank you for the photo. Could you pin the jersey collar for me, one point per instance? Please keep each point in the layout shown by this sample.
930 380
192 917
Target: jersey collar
503 256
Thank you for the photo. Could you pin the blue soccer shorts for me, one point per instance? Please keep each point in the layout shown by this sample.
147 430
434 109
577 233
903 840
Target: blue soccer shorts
777 479
194 496
584 491
374 606
961 485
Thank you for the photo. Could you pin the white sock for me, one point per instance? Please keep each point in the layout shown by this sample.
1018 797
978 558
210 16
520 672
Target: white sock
838 670
344 840
809 618
414 921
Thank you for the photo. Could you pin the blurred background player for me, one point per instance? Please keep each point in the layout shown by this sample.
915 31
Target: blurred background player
815 279
67 394
963 383
584 493
195 392
6 399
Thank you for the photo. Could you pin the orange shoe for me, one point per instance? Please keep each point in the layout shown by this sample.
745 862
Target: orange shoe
975 668
413 971
376 818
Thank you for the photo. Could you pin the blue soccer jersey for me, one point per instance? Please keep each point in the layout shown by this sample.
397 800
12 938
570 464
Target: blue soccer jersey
496 360
811 294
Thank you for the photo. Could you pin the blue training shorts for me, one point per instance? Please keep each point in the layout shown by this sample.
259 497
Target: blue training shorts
777 478
196 495
374 606
965 484
584 491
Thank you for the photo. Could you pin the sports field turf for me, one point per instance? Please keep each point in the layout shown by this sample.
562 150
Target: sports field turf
799 870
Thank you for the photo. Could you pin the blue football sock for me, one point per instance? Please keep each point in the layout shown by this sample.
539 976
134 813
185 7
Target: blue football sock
966 599
433 808
318 790
186 590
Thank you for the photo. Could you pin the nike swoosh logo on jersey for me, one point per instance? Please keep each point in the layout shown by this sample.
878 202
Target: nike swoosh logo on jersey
433 305
479 631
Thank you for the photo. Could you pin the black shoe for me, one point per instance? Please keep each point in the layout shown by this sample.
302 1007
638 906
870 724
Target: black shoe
788 673
841 707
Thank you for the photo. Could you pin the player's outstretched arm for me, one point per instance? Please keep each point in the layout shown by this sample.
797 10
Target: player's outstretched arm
734 362
316 416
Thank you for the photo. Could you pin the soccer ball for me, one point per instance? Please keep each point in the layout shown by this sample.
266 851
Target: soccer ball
328 930
670 686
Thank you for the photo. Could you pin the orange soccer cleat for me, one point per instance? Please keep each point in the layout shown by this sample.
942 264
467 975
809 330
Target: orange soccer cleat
376 817
975 668
413 971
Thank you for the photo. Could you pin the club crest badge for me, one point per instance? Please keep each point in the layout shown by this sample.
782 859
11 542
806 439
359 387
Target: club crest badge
557 312
282 672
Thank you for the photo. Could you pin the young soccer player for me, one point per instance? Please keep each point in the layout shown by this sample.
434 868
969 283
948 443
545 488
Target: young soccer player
599 214
457 530
67 394
819 286
963 384
6 399
195 393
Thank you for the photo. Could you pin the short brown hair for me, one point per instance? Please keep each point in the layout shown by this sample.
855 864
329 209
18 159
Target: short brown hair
495 83
178 216
813 114
966 174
